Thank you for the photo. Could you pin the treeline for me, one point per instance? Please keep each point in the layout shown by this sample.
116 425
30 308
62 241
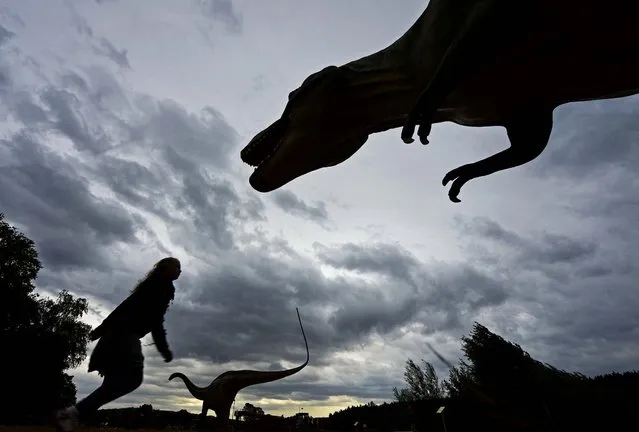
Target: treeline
500 386
145 417
40 338
142 417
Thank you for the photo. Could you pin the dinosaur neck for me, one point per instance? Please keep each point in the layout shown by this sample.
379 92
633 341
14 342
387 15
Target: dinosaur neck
382 87
378 99
197 392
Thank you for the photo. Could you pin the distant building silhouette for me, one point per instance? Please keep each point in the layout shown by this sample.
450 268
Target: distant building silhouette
249 411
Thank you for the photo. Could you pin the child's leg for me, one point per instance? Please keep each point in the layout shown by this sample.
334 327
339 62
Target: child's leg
114 386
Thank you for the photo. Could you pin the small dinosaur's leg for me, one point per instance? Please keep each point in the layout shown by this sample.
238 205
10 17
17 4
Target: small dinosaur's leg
467 41
201 423
222 414
528 134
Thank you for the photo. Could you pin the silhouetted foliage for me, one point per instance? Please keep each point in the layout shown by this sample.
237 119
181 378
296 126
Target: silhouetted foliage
40 337
499 386
459 379
540 393
422 383
422 415
145 417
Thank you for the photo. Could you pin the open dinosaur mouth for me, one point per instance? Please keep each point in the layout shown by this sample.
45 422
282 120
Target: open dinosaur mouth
264 145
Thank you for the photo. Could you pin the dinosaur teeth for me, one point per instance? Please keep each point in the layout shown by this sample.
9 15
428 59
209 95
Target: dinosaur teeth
264 145
270 155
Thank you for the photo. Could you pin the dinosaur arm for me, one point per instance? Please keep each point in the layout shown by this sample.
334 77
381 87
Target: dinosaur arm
462 35
528 132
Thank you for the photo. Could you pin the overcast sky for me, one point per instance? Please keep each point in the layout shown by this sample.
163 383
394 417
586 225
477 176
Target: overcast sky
122 124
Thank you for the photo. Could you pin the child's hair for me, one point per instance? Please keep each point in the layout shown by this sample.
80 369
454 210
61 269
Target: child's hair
157 268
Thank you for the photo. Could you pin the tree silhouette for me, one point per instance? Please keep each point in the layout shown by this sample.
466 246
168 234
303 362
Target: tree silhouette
422 383
40 337
460 378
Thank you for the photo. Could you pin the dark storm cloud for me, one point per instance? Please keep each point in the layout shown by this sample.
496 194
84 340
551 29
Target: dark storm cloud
5 35
377 258
545 248
5 38
594 136
184 142
70 225
587 283
580 292
290 203
49 191
7 15
100 45
263 289
223 11
596 154
119 57
219 10
594 151
66 116
436 294
265 285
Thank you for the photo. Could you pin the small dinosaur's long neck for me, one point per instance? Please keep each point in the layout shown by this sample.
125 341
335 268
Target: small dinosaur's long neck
197 392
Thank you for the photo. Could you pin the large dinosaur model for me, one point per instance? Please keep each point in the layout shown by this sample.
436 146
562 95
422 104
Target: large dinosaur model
472 62
220 394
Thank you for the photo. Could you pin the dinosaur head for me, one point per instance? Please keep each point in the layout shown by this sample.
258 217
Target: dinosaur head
316 130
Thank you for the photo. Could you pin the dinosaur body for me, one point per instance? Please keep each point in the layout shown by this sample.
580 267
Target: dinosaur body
471 62
220 394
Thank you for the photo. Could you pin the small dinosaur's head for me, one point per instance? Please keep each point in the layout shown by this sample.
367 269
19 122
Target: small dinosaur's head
316 130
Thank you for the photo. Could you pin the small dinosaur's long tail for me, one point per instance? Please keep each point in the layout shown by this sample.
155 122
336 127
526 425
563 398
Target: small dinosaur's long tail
244 378
303 335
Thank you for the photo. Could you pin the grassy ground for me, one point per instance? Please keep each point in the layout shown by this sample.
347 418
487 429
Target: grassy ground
52 429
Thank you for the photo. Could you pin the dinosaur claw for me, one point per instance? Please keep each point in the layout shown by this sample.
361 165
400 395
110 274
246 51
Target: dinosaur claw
460 176
448 177
455 189
408 131
423 132
407 134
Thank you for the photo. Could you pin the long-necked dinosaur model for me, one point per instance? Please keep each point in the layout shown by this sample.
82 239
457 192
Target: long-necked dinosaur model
472 62
220 394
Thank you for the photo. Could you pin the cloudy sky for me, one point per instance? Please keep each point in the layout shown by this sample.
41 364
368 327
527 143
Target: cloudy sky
122 124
